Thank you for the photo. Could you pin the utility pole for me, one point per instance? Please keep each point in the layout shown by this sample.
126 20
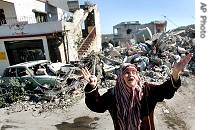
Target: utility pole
169 20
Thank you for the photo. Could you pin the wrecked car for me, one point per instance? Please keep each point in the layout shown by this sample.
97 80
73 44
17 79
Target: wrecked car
38 73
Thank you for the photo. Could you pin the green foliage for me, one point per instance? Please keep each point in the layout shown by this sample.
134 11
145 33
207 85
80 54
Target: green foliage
12 91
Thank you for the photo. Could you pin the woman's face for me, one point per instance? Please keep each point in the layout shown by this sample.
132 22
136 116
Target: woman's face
130 77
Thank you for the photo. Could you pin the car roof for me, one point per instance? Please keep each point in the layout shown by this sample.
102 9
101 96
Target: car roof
29 63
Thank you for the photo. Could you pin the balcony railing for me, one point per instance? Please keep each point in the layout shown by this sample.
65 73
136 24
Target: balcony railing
30 20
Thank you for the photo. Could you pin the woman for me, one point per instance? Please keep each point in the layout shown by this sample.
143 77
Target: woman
131 103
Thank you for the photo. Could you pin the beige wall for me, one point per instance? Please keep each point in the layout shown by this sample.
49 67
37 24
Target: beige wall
9 10
98 46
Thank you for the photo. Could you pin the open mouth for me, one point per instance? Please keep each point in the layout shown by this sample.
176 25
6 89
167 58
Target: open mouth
131 79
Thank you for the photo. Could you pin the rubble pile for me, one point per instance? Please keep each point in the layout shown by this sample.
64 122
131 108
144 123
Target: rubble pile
153 58
21 96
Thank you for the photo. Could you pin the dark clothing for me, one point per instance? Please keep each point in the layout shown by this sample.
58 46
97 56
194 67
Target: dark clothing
151 95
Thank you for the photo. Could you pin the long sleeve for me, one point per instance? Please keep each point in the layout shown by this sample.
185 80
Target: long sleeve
163 91
95 101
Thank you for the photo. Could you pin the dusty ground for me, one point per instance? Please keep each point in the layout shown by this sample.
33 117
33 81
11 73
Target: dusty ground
175 114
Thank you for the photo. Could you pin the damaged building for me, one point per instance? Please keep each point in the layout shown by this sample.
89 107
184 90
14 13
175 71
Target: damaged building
58 31
65 31
125 31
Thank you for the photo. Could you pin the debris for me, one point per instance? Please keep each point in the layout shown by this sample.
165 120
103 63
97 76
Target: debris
154 56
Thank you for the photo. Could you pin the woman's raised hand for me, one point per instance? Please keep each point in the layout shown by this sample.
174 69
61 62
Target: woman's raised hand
91 79
179 66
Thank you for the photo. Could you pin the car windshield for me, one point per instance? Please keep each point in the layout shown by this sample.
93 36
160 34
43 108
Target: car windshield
29 70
